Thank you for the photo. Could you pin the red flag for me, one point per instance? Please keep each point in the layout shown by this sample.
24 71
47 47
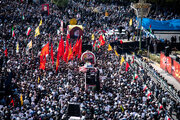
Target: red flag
42 62
61 48
58 55
102 42
148 94
28 31
67 51
167 118
70 54
60 52
76 48
12 102
5 52
127 66
57 63
45 50
160 106
94 44
150 30
121 41
133 59
80 48
144 88
52 56
68 36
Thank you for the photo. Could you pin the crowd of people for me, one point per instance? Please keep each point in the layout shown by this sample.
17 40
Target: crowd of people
46 93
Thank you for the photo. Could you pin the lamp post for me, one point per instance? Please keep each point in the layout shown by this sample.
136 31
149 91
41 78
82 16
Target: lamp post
141 10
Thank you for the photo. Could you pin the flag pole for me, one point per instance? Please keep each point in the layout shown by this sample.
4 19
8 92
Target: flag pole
32 49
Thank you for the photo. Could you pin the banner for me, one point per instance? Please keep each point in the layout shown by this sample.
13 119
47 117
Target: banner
88 56
176 70
169 65
172 68
166 63
45 8
162 61
160 25
75 30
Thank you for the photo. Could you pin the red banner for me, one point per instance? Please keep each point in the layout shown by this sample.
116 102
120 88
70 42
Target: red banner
169 64
163 61
166 63
45 8
176 70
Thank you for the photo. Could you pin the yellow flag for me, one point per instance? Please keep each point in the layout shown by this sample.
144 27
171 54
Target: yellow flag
106 14
116 53
133 37
40 23
17 47
38 79
21 99
109 47
37 32
122 60
92 37
122 108
130 22
29 45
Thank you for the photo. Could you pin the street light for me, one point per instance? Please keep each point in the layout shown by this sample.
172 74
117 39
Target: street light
141 10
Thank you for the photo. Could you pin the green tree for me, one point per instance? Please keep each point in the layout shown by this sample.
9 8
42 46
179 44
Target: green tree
61 3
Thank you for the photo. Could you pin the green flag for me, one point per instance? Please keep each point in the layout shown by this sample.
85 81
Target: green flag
150 29
13 34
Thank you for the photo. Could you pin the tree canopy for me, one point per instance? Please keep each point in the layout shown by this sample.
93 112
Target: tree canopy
61 3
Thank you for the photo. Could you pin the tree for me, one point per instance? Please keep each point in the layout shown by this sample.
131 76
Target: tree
61 3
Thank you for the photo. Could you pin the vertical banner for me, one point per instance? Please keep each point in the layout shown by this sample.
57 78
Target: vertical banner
163 61
45 8
169 65
166 63
176 70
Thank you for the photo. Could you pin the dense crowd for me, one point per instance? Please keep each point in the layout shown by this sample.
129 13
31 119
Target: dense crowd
46 93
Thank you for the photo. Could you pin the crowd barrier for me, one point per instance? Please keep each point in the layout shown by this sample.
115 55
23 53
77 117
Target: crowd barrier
173 93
